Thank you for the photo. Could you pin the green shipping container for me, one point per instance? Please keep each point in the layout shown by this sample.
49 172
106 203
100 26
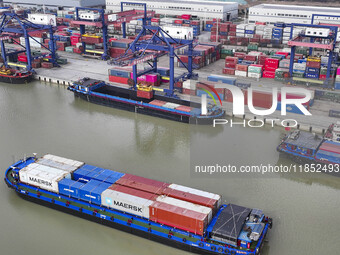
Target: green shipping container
252 47
254 69
298 74
69 49
62 61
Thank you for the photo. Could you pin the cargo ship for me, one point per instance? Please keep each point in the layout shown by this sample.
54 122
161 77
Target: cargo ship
14 76
145 101
305 147
172 214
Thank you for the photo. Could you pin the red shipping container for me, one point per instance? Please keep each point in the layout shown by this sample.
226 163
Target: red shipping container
47 65
260 23
189 92
178 217
230 65
186 16
118 79
76 50
36 65
240 67
229 97
155 20
272 62
184 108
231 33
262 99
313 64
250 58
133 192
330 147
141 183
22 58
229 71
231 60
240 55
184 58
282 53
195 22
157 102
192 198
322 76
145 94
268 74
178 21
179 84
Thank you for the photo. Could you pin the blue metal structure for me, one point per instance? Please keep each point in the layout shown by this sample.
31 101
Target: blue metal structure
103 25
332 37
132 3
161 43
23 28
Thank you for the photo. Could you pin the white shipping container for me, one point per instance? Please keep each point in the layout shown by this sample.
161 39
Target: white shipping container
187 205
89 16
190 84
126 203
299 66
197 192
112 17
185 33
58 159
171 105
42 176
240 73
42 19
254 75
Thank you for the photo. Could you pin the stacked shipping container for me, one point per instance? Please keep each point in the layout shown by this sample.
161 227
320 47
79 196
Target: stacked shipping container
171 204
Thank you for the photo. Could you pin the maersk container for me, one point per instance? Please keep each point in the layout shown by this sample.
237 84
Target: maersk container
141 183
178 217
133 192
45 179
92 191
126 203
197 192
70 188
186 205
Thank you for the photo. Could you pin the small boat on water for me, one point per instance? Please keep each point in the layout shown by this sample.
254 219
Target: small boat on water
13 76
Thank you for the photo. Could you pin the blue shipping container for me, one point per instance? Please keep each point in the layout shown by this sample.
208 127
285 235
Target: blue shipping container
163 71
290 108
312 75
337 85
312 70
92 191
331 156
226 80
69 187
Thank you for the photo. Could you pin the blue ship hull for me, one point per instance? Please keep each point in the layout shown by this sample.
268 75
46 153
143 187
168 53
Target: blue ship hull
193 243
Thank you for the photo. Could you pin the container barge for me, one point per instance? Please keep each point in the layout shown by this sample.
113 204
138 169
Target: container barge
145 102
305 147
172 214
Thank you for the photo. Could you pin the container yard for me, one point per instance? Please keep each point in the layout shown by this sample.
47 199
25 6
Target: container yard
231 105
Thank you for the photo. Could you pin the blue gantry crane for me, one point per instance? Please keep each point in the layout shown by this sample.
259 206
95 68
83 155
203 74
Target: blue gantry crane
13 26
316 41
159 43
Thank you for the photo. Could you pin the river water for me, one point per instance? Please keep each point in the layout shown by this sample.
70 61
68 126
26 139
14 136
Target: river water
45 118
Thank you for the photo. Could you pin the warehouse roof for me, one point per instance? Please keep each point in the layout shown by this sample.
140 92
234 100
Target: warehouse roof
316 9
191 2
230 221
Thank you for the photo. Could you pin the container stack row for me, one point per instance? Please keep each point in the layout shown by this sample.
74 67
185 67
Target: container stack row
170 204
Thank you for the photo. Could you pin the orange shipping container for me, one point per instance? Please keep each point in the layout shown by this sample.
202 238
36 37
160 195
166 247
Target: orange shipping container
178 217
